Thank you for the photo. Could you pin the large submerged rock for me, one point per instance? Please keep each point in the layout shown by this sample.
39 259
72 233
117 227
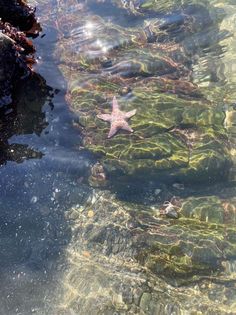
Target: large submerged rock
178 133
130 259
173 139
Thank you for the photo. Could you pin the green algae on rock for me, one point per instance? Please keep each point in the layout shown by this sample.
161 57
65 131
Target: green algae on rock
174 138
178 133
135 260
198 244
127 246
208 209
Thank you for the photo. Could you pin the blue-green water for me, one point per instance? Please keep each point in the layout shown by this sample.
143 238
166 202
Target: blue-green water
69 249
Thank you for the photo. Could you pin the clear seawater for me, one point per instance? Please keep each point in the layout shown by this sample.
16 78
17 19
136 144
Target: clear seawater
36 192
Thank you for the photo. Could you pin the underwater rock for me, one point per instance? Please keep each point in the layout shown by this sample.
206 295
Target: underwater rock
135 261
174 138
178 134
209 209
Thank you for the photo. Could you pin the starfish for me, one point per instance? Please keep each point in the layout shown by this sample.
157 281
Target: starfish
117 118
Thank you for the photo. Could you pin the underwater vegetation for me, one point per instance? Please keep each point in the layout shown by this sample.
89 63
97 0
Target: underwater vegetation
156 232
137 257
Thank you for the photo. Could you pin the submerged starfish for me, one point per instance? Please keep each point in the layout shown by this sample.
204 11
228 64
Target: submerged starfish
117 118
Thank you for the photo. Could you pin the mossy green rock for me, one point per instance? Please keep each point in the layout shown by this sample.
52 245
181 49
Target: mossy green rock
199 243
181 250
189 250
174 138
207 209
178 134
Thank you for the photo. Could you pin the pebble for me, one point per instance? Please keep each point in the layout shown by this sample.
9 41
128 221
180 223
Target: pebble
90 213
172 213
34 199
86 254
145 301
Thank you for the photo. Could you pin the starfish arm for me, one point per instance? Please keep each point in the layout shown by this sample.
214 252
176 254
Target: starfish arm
125 126
130 114
115 105
105 117
113 130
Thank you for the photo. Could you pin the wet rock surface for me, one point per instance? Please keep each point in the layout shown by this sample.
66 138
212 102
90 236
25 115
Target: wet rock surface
18 13
6 73
22 92
15 48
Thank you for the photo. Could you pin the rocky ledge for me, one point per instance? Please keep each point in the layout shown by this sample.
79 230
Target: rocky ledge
17 21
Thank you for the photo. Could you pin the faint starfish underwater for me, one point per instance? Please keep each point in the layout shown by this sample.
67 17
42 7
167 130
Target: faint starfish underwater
117 118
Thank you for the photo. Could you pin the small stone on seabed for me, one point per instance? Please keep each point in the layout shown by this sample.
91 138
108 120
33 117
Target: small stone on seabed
86 254
90 213
178 186
172 213
34 199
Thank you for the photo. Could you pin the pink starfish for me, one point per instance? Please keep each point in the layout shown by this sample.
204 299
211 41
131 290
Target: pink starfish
117 118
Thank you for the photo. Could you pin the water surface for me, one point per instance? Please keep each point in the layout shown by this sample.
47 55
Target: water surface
49 264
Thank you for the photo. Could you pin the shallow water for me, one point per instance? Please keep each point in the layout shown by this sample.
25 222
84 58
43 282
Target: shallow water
64 246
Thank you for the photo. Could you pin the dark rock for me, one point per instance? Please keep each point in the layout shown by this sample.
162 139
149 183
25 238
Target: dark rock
12 68
15 47
18 13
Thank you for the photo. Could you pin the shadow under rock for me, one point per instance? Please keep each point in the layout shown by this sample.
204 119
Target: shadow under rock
24 116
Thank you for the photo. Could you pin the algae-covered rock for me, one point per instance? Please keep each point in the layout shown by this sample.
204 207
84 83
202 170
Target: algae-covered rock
207 209
173 138
15 48
197 244
178 134
210 209
129 258
179 250
130 255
